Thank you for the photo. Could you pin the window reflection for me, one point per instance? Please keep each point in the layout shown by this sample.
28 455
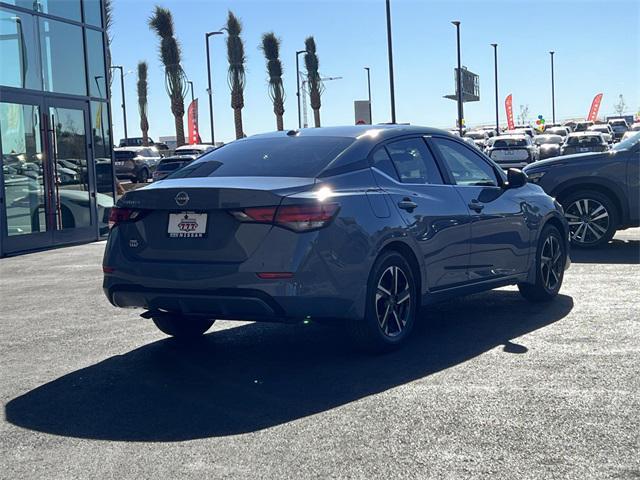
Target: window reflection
19 66
23 168
102 147
71 168
62 57
93 12
95 64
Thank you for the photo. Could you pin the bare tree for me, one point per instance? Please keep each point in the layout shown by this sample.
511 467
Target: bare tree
523 116
621 106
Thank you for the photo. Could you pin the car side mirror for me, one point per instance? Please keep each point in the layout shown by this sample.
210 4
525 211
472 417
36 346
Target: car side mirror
516 178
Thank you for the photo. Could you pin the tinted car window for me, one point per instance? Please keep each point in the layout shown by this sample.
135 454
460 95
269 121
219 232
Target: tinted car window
414 162
123 154
466 167
268 157
584 140
509 142
382 162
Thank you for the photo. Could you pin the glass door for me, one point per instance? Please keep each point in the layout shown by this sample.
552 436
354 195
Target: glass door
47 185
72 182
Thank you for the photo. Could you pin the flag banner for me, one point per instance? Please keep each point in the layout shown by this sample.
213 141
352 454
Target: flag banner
508 105
192 120
595 107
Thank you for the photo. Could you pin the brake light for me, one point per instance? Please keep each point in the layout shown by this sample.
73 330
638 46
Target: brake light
122 215
299 218
306 217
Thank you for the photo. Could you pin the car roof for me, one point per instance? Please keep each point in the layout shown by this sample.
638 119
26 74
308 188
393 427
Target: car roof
511 136
379 132
588 133
194 146
132 148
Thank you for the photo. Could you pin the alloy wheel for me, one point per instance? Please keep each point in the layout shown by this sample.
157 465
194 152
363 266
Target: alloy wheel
393 301
588 220
551 262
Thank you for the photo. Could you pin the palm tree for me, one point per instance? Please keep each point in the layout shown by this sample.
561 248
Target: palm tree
313 78
175 79
271 49
236 74
142 101
108 25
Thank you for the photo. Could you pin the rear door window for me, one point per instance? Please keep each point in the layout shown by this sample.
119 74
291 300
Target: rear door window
414 162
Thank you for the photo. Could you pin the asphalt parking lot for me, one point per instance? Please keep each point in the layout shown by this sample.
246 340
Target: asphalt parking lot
489 387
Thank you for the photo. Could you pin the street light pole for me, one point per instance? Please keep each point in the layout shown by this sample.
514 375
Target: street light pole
369 90
390 54
191 85
298 84
459 79
209 91
553 93
495 64
124 103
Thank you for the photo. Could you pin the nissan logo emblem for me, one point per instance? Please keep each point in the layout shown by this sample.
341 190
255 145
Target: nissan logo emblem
182 199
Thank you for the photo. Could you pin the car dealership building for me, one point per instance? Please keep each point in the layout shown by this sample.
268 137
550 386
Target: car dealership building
56 181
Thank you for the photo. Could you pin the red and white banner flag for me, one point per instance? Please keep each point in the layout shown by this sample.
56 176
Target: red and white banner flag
192 120
595 107
508 105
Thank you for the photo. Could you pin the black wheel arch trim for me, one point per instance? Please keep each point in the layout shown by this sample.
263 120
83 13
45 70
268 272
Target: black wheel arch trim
601 185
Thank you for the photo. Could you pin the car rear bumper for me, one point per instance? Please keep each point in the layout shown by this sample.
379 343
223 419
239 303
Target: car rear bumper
233 290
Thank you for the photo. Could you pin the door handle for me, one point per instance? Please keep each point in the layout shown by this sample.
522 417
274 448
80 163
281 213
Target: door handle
407 204
475 205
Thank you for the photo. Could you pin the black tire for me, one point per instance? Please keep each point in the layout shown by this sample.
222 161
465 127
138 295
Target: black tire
549 275
582 226
143 176
372 333
178 326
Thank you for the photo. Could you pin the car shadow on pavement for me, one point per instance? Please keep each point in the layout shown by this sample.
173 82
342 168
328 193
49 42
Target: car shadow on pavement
616 251
257 376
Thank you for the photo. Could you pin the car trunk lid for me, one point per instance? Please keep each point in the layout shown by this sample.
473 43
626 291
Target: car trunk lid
189 219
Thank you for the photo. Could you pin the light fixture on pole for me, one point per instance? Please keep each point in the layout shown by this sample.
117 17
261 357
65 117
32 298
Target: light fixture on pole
495 65
553 91
390 55
369 90
209 91
459 79
191 86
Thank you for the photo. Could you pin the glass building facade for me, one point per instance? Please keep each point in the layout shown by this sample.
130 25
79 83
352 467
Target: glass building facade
57 182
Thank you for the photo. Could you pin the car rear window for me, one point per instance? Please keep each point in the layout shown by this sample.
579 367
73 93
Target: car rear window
124 154
509 142
268 157
584 140
171 166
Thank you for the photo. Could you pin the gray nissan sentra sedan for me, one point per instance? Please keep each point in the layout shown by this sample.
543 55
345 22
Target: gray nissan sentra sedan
362 224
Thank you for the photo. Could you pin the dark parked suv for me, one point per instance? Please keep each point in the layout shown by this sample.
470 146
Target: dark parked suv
600 192
360 224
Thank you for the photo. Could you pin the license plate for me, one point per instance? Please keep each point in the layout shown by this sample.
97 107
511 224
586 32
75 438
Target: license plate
508 153
583 149
119 164
187 225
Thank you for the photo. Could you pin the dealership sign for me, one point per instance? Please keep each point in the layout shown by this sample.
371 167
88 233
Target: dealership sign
595 107
192 120
362 110
508 105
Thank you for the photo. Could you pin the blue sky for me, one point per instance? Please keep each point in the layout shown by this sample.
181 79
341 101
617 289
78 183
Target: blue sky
597 47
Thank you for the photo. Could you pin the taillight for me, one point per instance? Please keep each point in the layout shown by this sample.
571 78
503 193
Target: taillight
299 218
122 215
305 217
